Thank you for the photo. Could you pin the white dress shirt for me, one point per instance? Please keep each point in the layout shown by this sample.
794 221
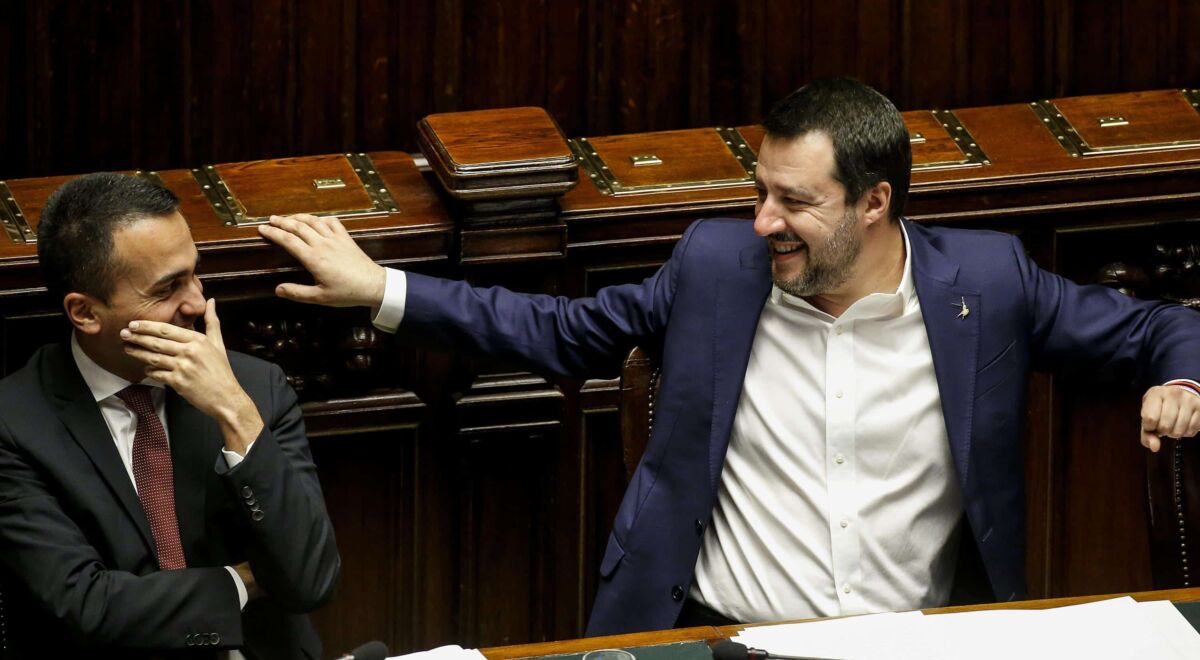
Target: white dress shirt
122 426
838 495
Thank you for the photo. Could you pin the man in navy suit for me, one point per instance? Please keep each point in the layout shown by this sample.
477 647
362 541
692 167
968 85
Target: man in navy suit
841 389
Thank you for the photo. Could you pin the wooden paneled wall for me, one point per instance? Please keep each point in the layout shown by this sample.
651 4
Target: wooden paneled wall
117 84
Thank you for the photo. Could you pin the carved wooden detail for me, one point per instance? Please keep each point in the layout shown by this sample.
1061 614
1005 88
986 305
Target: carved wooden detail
1177 272
322 359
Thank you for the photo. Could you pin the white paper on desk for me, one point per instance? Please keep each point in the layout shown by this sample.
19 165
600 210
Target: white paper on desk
887 636
1170 628
1118 628
1093 630
451 652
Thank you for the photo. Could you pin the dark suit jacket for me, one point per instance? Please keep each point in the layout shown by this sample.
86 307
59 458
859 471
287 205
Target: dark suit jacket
701 311
79 556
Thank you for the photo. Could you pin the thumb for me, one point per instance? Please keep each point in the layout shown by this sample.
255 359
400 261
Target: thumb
299 293
212 324
1151 441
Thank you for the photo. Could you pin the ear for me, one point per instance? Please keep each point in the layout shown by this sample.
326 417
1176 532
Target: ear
81 312
875 202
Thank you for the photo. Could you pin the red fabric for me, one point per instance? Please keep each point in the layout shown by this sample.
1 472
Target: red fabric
155 477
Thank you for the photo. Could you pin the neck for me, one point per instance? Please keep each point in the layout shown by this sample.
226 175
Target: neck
123 365
878 269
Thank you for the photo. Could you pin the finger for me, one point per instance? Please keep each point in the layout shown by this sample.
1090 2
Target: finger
1194 426
1183 419
285 239
212 324
300 293
297 227
318 225
161 375
1167 417
164 330
335 225
1151 441
151 343
150 358
1151 411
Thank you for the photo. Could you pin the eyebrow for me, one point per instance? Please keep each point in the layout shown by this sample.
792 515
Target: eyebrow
169 278
794 191
176 275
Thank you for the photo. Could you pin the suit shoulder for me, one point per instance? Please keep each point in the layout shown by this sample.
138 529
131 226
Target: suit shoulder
720 235
17 386
252 372
980 251
957 238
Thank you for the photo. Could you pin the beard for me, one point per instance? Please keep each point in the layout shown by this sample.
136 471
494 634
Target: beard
828 267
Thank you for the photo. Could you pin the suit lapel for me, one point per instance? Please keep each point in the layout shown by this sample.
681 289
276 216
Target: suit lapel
79 413
953 339
194 449
737 304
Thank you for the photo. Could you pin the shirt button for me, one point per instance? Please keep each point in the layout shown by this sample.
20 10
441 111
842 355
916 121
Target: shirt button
839 459
845 588
676 593
838 330
839 394
845 523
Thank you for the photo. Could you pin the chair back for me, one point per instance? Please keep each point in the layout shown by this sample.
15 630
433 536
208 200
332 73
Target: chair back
1173 497
639 388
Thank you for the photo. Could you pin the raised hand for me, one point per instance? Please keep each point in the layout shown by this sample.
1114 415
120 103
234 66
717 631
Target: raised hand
196 366
345 275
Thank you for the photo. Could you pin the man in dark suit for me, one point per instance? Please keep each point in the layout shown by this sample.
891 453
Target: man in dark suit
841 392
157 492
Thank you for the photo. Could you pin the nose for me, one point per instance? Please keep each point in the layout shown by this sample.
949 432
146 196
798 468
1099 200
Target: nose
767 219
193 302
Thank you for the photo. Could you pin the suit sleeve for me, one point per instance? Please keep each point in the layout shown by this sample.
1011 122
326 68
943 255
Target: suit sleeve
1096 328
290 544
45 548
582 337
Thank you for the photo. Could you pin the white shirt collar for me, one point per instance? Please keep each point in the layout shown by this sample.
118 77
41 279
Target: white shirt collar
100 381
875 304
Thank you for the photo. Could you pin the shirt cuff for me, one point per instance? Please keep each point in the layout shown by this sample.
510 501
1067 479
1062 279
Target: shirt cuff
1186 383
241 587
232 458
391 309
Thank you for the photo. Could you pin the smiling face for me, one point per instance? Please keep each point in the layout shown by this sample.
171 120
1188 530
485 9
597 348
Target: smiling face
155 279
814 237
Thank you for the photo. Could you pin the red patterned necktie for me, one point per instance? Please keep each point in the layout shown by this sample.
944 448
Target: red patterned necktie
154 476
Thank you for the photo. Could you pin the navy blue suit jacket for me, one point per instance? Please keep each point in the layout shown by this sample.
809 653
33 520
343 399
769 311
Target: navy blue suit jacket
701 310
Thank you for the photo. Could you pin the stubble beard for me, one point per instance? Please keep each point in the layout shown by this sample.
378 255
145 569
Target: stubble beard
830 266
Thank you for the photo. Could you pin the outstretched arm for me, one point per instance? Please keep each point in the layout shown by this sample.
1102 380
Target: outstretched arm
1095 327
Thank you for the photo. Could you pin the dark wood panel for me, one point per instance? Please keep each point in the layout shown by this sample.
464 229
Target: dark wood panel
132 83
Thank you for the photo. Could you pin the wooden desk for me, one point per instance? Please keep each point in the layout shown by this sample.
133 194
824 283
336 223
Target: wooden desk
710 634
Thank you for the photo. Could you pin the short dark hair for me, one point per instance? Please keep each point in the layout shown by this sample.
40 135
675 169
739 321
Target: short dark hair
75 231
870 141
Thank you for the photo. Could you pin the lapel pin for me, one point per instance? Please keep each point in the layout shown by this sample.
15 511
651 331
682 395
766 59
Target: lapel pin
963 309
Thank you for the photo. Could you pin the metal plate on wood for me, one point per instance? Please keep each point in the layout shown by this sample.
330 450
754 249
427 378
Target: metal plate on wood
232 212
13 219
952 147
1073 140
609 184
